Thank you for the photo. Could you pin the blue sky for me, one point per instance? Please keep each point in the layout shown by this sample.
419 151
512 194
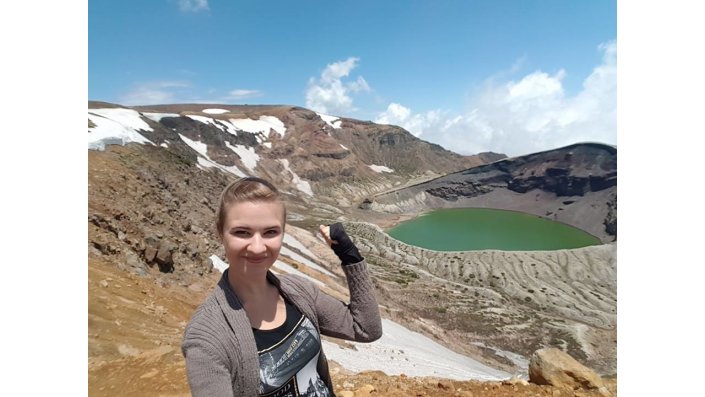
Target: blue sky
507 76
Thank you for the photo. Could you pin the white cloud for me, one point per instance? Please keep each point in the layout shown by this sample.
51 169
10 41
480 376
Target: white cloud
151 93
193 5
338 70
417 124
524 116
359 85
329 94
240 94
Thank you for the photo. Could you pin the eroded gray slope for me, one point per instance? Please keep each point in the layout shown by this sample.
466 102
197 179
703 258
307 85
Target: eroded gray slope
513 300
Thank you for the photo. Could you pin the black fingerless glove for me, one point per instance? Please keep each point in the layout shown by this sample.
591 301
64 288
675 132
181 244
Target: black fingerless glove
345 249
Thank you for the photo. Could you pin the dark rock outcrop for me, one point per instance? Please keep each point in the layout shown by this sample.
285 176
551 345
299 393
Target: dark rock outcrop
570 171
611 219
454 190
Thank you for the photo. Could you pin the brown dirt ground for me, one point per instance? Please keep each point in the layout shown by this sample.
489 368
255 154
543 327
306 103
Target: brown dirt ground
376 383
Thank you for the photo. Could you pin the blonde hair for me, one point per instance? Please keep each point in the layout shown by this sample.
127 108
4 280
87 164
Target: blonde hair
243 190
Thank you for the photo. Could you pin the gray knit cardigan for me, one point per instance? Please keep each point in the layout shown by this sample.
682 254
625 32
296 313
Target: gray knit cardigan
219 346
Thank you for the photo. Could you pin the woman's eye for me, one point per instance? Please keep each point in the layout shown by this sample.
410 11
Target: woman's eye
272 232
241 233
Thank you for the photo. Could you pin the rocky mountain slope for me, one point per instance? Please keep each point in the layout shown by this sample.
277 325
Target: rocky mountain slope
154 175
294 146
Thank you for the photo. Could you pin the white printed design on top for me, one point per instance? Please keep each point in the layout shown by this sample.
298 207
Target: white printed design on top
288 369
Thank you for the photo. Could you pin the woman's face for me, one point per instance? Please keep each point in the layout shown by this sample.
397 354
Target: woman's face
252 235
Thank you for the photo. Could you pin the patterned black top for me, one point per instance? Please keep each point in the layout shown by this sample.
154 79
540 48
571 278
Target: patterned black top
288 356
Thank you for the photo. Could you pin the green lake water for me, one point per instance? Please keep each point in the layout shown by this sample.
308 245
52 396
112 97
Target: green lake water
467 229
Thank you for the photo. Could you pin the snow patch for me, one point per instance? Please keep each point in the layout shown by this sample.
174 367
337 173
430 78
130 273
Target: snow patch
518 360
264 125
247 155
164 144
343 146
205 161
332 121
228 127
158 116
260 128
223 125
205 120
218 263
277 125
580 334
215 111
115 126
380 168
300 183
200 147
127 117
401 350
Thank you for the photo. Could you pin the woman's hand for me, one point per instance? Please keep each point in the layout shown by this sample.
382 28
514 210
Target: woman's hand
340 242
325 232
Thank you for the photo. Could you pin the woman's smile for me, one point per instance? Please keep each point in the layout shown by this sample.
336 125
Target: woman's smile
256 259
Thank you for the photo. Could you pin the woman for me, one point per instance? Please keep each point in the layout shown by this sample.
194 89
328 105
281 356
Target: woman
258 334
